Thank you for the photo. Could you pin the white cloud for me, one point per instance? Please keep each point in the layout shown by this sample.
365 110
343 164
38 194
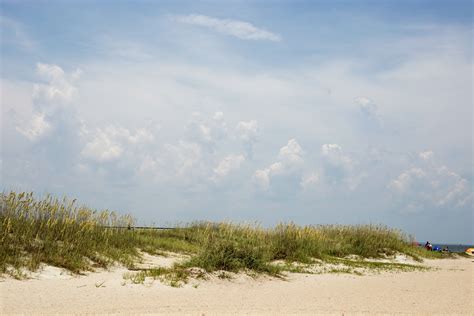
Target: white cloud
309 181
247 130
45 106
453 189
228 164
207 131
109 143
341 168
218 116
103 147
187 158
431 185
150 165
368 108
333 154
290 161
240 29
59 87
292 153
404 181
426 155
35 128
142 135
263 176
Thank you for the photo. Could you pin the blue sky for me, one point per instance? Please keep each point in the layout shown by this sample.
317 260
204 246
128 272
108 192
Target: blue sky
310 111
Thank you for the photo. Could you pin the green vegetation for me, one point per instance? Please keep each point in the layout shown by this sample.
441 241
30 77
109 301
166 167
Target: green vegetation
61 233
357 266
175 276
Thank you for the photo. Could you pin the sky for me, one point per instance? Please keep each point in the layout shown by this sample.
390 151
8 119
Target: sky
316 112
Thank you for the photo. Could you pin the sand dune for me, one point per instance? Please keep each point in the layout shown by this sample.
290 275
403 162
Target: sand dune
447 289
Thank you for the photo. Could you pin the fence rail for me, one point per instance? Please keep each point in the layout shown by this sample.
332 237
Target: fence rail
139 227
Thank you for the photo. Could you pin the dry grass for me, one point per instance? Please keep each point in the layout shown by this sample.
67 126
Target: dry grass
61 233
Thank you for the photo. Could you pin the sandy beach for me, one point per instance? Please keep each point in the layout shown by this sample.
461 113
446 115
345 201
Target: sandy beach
445 289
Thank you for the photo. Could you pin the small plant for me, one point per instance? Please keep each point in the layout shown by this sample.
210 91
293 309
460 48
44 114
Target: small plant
341 270
175 276
135 278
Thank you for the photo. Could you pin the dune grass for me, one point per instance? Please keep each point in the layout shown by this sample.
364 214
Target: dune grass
61 233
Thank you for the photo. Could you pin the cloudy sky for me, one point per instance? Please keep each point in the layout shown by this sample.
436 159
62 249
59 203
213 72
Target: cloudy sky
313 112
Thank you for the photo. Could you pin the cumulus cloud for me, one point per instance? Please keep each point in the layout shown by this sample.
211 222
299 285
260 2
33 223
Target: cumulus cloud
247 132
107 144
454 189
240 29
59 87
48 100
218 116
206 131
367 106
188 162
187 158
102 148
340 168
292 153
309 181
369 109
35 128
150 165
405 180
263 176
183 164
431 185
228 164
333 154
290 160
426 155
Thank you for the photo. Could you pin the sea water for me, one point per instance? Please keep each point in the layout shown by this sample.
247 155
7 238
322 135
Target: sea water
453 247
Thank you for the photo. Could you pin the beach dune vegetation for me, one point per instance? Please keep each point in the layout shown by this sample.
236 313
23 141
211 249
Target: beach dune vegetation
61 233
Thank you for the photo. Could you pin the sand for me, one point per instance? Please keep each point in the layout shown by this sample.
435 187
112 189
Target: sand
448 289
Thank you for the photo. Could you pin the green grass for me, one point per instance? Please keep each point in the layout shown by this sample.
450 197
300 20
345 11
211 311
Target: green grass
175 276
61 233
374 265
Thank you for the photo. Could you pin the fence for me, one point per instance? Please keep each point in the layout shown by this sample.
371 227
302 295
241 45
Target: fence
139 227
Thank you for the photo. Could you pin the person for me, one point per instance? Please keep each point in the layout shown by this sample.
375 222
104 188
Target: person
446 249
428 246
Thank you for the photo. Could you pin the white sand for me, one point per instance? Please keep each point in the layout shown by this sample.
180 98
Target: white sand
447 290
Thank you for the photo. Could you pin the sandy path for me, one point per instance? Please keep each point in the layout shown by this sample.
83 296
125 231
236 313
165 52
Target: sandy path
448 290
